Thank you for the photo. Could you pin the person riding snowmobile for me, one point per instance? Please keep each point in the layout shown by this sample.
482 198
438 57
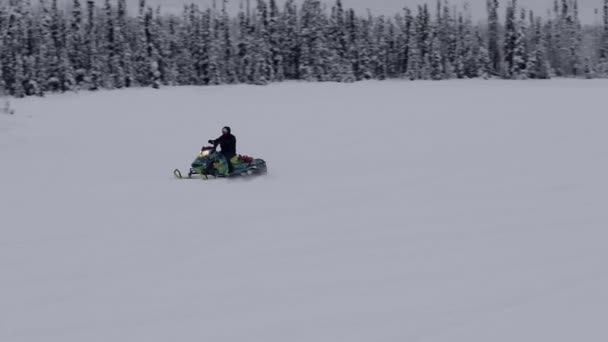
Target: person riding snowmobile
227 142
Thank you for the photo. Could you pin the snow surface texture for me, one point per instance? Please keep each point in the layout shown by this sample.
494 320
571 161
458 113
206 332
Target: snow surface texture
392 211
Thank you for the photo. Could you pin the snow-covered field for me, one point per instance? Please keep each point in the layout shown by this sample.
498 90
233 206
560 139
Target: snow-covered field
469 211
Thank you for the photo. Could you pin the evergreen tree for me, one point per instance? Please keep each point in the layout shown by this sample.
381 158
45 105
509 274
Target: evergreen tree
364 45
394 50
450 43
93 63
538 65
341 66
19 77
290 41
435 56
423 36
228 71
380 50
171 52
14 42
2 83
576 59
354 55
588 69
186 48
551 38
511 39
485 66
519 63
123 55
244 60
469 47
604 41
274 42
460 49
263 60
154 53
75 42
493 34
63 75
141 58
314 53
414 60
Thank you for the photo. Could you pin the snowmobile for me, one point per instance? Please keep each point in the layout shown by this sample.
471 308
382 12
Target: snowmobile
211 163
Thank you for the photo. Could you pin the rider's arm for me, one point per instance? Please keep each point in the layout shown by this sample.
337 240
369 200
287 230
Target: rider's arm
216 141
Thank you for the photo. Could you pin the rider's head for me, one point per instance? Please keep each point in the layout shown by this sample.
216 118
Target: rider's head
226 130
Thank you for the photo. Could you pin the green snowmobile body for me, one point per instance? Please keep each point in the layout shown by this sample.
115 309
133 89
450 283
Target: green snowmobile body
210 162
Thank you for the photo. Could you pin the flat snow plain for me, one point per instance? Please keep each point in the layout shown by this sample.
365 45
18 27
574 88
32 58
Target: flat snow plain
468 211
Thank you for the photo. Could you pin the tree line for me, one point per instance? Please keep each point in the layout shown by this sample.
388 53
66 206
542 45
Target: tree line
45 47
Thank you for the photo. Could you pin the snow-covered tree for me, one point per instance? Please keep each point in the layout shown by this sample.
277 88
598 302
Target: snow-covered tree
123 52
510 41
290 41
228 68
75 42
468 47
186 48
493 36
274 42
314 56
538 64
518 68
263 55
436 72
604 39
414 56
141 59
154 54
485 66
93 61
340 65
60 45
244 46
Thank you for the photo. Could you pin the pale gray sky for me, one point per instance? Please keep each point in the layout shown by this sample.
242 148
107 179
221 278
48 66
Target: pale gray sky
391 7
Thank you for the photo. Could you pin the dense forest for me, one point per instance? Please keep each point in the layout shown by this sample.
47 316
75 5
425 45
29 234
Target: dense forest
50 47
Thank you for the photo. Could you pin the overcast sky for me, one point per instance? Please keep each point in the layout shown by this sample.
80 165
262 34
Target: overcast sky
391 7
